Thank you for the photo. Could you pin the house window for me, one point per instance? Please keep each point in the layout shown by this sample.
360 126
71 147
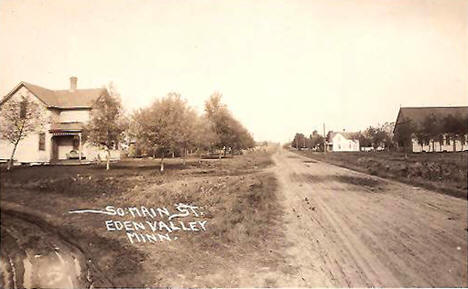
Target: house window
42 141
23 107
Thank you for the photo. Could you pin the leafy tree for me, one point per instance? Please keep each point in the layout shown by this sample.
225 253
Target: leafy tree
186 132
316 141
329 136
205 137
430 130
20 118
161 127
299 141
403 134
376 137
464 130
231 134
387 128
364 139
107 122
455 127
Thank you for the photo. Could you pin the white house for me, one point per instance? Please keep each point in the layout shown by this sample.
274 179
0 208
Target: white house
67 111
342 142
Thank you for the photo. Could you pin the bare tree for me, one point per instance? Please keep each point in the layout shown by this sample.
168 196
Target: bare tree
18 119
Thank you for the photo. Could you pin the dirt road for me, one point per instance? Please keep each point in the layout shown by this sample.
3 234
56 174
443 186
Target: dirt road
335 228
348 229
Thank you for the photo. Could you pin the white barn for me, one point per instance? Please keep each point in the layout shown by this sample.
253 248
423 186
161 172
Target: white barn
444 143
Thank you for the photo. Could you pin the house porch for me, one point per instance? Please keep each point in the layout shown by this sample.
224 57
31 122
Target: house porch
63 143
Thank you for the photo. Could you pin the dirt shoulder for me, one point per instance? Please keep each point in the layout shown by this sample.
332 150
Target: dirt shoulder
242 243
442 172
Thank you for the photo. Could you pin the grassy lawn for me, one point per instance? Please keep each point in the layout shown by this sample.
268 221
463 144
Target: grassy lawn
444 172
237 196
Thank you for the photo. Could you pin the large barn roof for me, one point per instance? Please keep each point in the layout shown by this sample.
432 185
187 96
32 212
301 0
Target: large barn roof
418 114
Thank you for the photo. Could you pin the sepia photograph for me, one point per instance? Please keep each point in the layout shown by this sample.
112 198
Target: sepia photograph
234 144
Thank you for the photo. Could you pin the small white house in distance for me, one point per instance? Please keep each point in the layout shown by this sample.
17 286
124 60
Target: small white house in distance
68 111
342 142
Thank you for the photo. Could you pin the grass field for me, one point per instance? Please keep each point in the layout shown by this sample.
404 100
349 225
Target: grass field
444 172
238 199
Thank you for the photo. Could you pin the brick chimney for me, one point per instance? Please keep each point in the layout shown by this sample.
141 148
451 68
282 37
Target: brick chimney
73 82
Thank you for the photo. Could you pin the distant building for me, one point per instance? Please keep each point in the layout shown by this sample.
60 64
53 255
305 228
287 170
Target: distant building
343 142
68 111
445 141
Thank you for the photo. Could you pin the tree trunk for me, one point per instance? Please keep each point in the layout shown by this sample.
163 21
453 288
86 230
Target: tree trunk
108 160
10 162
184 157
162 163
454 143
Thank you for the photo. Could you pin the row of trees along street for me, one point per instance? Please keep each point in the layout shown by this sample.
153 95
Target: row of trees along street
431 130
169 126
378 136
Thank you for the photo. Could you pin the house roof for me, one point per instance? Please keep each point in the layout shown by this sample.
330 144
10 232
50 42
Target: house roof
348 135
418 114
61 98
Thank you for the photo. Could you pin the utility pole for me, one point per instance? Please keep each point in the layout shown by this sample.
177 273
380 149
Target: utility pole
324 139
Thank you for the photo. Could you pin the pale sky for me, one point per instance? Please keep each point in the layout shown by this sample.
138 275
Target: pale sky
282 66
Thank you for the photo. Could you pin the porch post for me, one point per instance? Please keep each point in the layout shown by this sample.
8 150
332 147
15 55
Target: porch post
79 143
